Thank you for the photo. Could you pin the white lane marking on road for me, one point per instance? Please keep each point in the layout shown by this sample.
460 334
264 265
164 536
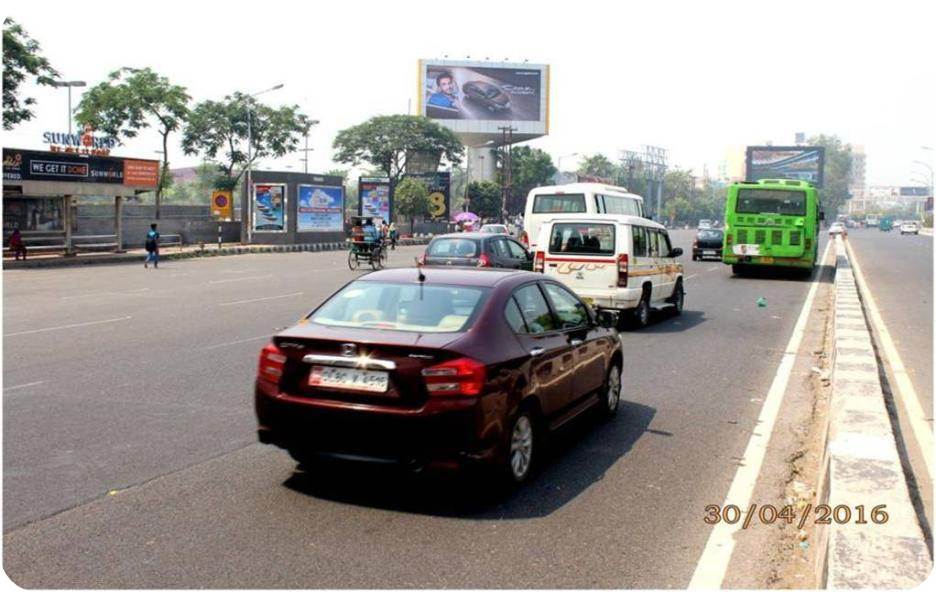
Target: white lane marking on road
689 277
95 294
713 564
22 386
230 343
243 279
713 269
117 320
260 299
922 430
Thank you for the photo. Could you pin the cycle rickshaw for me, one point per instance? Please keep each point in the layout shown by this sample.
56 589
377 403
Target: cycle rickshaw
372 252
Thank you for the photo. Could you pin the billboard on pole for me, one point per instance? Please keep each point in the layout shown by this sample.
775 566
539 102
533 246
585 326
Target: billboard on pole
475 99
374 193
802 163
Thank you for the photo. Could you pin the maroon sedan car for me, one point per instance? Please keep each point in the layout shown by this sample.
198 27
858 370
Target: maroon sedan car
437 367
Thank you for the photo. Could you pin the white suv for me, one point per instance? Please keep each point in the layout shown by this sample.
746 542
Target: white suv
623 263
909 228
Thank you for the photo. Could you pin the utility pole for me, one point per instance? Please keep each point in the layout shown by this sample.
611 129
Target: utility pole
508 173
306 150
655 161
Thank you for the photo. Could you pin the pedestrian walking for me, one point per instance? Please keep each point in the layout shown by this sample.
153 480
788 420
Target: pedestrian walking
152 247
17 245
394 234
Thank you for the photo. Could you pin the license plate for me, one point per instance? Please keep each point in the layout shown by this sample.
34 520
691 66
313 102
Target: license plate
708 252
767 260
350 379
746 249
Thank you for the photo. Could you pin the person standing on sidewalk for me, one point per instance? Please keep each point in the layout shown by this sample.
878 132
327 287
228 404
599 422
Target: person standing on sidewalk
17 245
394 234
152 247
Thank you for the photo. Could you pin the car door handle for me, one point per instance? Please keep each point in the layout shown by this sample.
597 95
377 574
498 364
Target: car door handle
536 352
575 342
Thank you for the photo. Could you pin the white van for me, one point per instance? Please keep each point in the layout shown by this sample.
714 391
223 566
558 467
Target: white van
623 263
575 198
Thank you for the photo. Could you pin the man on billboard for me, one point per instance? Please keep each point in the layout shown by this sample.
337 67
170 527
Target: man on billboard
446 93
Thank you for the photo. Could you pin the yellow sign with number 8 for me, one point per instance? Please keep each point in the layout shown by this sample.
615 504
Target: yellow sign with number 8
436 204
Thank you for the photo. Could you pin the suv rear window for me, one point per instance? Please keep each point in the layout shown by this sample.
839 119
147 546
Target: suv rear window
453 247
401 307
573 203
582 238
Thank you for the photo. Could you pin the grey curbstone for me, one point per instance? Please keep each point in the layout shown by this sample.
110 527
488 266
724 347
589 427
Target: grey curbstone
861 464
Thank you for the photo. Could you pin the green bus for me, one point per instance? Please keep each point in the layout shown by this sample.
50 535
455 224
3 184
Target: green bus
771 222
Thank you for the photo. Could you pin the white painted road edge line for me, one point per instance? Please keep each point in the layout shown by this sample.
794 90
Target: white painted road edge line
230 343
241 279
68 326
260 299
21 386
922 430
713 564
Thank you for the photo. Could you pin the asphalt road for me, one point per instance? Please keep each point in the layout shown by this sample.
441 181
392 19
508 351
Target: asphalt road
130 457
899 272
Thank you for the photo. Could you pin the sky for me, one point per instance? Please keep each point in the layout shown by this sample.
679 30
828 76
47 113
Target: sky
701 79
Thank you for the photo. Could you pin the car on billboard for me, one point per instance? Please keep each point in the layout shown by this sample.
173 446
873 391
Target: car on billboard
487 95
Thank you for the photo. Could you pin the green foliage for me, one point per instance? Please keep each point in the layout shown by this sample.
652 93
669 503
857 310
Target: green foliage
531 167
384 142
484 199
196 191
218 129
21 60
598 165
838 163
411 198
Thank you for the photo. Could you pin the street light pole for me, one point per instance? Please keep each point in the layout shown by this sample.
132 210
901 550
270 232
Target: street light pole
69 84
306 150
249 213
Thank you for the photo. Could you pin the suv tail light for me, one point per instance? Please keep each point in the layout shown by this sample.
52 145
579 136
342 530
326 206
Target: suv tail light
484 260
525 239
462 376
539 262
272 362
622 270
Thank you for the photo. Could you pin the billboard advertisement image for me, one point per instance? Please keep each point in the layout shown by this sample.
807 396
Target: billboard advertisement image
269 208
482 93
321 209
439 186
374 195
802 163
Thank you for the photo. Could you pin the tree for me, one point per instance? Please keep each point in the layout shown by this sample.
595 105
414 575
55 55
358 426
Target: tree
386 141
130 100
838 163
598 165
21 60
411 199
484 199
220 129
531 167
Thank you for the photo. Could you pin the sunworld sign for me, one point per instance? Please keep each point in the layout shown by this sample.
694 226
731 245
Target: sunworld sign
84 142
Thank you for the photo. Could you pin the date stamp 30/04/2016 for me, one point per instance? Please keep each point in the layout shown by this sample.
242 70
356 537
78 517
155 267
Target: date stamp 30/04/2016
770 514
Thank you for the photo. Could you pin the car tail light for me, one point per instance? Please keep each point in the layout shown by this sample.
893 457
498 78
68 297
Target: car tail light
484 260
462 376
525 239
272 362
622 270
539 262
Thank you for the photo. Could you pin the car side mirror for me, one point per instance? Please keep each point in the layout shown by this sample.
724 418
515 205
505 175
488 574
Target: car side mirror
607 318
676 252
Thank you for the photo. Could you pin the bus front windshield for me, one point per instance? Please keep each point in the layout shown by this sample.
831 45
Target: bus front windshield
771 201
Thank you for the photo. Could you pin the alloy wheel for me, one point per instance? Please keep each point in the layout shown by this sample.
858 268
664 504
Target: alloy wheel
521 448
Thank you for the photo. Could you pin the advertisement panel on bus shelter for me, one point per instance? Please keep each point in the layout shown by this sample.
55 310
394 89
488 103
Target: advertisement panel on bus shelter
269 208
320 209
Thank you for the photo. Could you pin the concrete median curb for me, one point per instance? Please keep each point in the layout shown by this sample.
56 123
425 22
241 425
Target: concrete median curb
862 466
208 251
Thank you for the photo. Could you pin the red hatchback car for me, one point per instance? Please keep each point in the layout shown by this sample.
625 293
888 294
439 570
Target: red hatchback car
437 367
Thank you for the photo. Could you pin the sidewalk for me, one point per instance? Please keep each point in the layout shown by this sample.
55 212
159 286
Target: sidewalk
174 253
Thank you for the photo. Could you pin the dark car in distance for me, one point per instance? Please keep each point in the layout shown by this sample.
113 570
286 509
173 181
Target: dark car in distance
477 249
708 244
437 367
487 95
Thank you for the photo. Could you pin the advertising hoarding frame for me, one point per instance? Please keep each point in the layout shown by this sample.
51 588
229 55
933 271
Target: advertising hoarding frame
437 182
339 227
375 181
36 165
749 157
253 208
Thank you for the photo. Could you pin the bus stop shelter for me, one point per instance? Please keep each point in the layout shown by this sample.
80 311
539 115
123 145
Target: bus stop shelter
39 189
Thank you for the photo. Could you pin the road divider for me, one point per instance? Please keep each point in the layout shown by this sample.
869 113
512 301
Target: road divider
861 466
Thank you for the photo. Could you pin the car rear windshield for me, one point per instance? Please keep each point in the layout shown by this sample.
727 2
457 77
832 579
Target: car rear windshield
454 247
401 307
573 203
710 234
582 238
617 204
771 201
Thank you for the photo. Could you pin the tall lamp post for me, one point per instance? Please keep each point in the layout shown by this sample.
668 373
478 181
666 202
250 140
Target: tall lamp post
249 216
306 150
69 84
